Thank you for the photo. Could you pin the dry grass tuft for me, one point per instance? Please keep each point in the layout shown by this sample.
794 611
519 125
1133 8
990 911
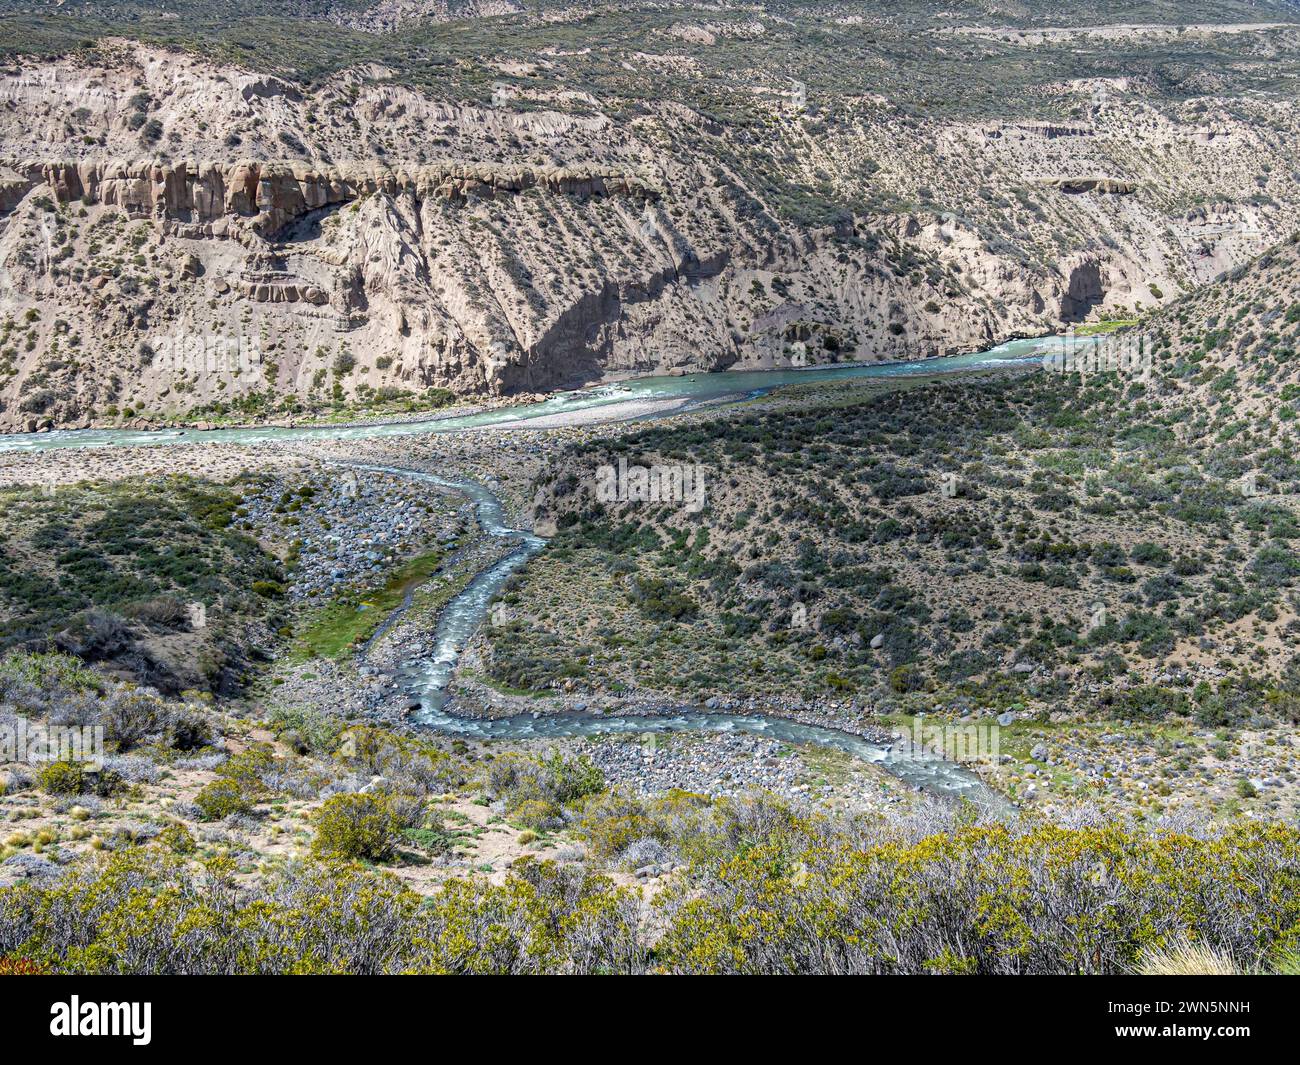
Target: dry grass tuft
1184 958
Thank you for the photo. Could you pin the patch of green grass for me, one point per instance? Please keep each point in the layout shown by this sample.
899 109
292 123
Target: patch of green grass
503 688
345 623
1091 329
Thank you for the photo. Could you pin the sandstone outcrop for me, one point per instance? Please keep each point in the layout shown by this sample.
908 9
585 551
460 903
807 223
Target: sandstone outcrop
270 195
1105 186
365 238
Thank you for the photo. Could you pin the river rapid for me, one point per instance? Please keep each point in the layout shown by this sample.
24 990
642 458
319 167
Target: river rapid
427 679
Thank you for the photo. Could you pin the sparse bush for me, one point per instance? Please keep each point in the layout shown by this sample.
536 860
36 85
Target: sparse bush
222 798
644 852
355 827
61 778
536 790
188 729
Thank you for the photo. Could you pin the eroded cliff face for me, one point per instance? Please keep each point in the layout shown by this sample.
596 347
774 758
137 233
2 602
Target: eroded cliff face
541 249
266 197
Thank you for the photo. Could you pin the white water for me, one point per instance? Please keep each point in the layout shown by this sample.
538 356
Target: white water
621 401
428 679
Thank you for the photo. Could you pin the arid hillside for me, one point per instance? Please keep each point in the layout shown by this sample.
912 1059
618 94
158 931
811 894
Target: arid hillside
1227 352
1113 543
231 233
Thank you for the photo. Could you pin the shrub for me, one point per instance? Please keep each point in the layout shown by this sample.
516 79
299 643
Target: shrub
984 899
432 839
221 798
130 717
535 790
907 678
355 826
177 839
536 814
307 729
143 910
571 779
614 822
47 672
770 890
188 730
61 778
414 765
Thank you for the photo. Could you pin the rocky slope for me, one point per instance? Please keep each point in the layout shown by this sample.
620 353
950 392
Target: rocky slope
1226 353
180 237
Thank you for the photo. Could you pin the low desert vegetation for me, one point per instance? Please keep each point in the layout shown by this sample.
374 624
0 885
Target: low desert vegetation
850 545
146 575
342 812
767 890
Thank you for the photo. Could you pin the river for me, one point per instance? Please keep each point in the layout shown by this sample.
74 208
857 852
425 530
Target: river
616 401
427 679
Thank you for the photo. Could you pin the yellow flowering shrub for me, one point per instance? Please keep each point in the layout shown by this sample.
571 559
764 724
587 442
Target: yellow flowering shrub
769 889
148 911
986 899
355 826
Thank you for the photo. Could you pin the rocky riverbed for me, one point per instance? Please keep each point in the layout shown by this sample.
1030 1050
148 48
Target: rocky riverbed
347 527
348 534
734 764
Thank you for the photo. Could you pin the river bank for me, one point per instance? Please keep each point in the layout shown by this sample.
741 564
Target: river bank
492 464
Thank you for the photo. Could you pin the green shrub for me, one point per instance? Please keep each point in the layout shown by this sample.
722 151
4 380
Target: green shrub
535 790
907 678
145 910
983 899
431 839
535 814
223 797
355 827
177 838
61 778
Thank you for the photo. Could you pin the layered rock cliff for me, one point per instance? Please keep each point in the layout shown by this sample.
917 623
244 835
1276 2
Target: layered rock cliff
163 252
